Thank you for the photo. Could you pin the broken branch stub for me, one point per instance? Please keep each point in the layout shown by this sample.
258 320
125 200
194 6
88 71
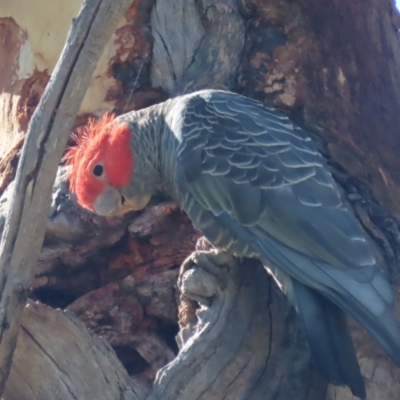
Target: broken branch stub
236 341
56 357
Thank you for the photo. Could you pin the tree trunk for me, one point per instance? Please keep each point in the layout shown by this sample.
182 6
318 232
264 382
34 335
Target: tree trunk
333 67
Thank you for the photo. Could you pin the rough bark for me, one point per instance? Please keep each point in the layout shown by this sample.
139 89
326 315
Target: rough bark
219 295
331 66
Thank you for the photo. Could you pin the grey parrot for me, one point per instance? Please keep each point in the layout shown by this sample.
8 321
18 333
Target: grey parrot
255 185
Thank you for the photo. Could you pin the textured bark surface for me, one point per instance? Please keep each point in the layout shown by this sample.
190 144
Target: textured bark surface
56 357
333 67
219 295
235 340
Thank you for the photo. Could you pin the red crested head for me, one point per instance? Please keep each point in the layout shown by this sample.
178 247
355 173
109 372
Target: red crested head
101 159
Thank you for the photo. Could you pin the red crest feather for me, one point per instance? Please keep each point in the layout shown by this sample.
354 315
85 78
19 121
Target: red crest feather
82 137
104 142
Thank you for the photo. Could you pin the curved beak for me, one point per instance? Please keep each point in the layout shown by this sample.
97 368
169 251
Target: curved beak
109 202
112 203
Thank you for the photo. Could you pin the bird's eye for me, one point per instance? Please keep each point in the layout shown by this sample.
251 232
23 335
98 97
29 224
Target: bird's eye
98 170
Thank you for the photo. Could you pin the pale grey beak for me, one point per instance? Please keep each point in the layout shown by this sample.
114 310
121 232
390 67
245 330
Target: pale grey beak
109 202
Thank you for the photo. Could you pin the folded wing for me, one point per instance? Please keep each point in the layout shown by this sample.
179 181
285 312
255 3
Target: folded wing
255 184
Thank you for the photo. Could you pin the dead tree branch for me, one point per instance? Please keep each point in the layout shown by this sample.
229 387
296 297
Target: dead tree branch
234 335
47 135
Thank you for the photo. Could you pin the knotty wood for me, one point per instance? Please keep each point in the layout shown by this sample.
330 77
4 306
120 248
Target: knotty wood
235 340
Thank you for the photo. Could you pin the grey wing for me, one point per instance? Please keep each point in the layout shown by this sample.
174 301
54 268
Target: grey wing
252 163
255 184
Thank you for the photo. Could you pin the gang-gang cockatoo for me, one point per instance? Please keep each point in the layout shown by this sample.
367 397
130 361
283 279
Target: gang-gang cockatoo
255 185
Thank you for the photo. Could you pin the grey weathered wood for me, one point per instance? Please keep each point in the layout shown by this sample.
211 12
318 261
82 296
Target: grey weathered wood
47 135
237 341
57 358
197 45
174 44
237 344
